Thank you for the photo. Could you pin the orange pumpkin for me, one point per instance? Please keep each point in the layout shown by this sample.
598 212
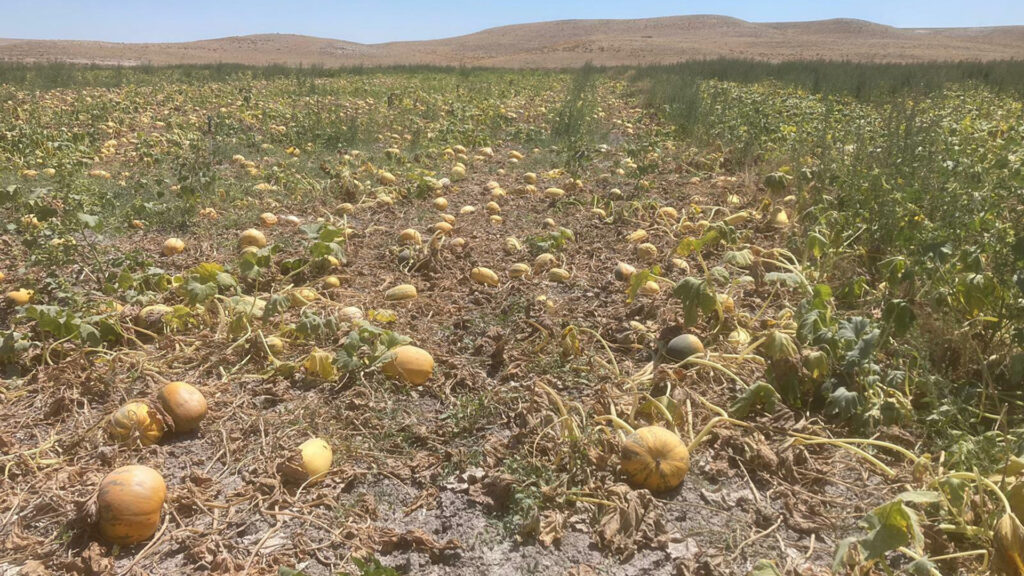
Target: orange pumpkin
136 420
410 364
173 246
654 458
129 503
184 403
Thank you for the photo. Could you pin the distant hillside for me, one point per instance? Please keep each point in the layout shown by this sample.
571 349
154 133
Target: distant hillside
568 43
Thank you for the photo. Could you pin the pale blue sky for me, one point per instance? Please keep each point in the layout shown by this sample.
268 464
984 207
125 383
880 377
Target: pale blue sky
385 20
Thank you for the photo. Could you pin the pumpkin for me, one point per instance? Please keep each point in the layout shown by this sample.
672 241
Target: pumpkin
332 282
346 208
637 236
136 420
441 203
623 272
668 213
530 178
1008 544
128 504
184 403
410 364
268 219
492 208
558 275
152 317
683 346
781 219
173 246
511 245
309 463
252 237
19 297
275 345
400 293
545 261
554 193
647 252
518 270
409 236
654 458
482 275
302 296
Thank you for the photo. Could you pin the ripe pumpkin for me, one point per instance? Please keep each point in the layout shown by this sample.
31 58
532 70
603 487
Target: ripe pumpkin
554 193
275 345
173 246
152 317
441 203
410 237
410 364
19 297
518 270
647 252
400 293
184 403
268 219
654 458
136 420
1008 544
623 272
482 275
252 237
558 275
128 504
683 346
332 282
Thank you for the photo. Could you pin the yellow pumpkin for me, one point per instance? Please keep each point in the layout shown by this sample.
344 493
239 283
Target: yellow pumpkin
152 317
441 203
252 237
1008 544
184 403
400 292
624 272
410 364
309 463
20 297
482 275
332 282
558 275
173 246
136 420
268 219
654 458
129 503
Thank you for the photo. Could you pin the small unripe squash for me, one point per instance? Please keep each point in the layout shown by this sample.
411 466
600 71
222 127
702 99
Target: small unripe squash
400 293
683 346
184 403
19 297
128 504
482 275
173 246
136 419
252 237
654 458
410 364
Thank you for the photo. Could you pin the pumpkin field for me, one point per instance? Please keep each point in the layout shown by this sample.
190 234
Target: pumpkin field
704 319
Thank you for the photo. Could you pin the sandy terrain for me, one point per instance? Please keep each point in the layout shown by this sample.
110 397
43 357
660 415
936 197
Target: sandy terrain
568 43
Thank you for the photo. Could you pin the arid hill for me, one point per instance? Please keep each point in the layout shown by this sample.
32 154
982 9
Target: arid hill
568 43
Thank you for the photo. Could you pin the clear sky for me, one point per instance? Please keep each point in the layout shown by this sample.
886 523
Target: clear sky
385 20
